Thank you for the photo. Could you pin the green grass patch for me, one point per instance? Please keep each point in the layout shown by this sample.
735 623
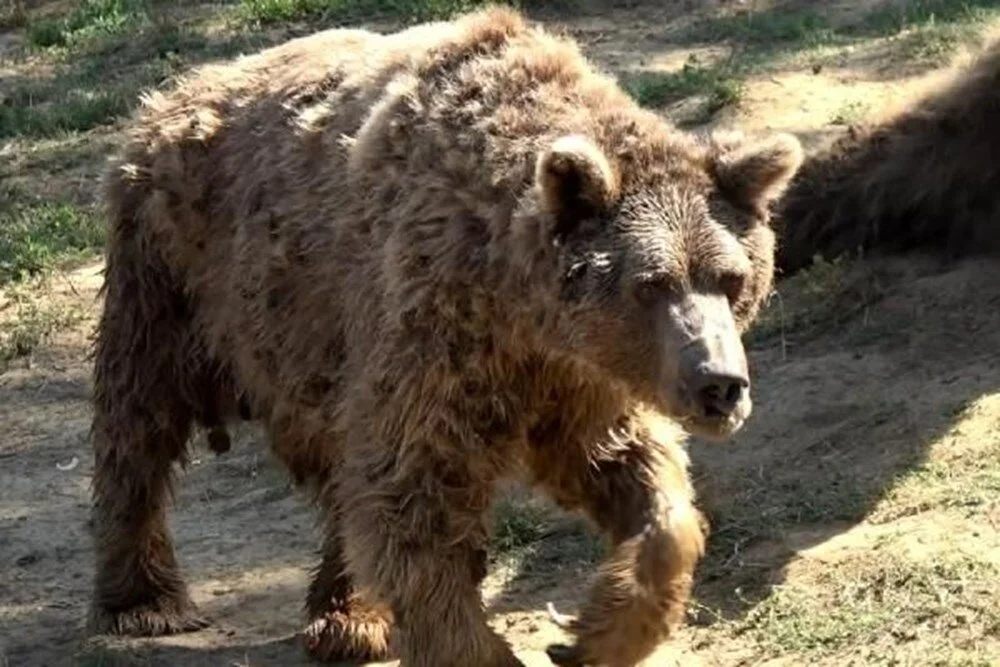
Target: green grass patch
805 27
880 602
78 110
944 484
767 506
923 33
720 85
826 294
38 238
263 12
29 323
103 82
961 480
894 18
808 27
926 32
531 535
89 20
518 523
850 113
935 44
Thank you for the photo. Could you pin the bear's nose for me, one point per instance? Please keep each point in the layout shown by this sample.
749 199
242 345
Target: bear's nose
718 393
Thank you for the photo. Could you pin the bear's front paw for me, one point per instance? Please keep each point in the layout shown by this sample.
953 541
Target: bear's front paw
167 616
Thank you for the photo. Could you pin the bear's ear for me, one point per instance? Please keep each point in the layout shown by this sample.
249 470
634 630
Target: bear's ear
754 173
575 181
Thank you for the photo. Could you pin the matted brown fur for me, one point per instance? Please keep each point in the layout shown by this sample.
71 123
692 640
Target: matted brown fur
427 262
928 179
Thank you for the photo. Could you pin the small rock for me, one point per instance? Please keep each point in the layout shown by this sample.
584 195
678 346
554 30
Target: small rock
28 559
69 465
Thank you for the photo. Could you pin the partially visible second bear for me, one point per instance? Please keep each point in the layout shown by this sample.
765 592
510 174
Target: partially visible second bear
926 179
428 262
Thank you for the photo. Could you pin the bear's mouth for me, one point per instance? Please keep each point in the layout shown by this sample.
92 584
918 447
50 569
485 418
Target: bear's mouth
707 422
720 430
715 426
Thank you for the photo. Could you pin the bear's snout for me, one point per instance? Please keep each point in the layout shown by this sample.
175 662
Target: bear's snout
716 382
718 392
712 376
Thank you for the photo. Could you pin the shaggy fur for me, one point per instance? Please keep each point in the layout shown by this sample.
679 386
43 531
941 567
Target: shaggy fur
427 262
927 180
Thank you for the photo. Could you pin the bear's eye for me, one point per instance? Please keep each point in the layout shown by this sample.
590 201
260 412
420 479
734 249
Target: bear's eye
650 289
732 283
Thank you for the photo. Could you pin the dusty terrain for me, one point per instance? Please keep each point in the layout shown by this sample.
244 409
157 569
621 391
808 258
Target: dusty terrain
856 519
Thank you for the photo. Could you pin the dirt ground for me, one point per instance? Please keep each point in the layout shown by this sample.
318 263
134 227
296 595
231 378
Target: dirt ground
856 519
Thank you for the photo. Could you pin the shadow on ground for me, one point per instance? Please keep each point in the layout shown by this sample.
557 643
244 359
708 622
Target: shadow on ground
844 410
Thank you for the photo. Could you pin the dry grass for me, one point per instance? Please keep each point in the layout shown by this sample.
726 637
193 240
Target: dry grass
29 317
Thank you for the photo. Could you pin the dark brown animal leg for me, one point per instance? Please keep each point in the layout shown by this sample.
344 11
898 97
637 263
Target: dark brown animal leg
143 414
138 588
415 536
640 496
344 625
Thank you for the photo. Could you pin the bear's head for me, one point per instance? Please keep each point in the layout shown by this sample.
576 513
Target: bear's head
665 255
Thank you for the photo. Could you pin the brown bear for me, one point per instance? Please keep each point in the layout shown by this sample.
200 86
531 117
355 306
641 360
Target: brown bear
428 262
927 179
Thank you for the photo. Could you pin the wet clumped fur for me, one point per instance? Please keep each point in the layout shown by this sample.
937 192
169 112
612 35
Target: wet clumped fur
427 263
926 180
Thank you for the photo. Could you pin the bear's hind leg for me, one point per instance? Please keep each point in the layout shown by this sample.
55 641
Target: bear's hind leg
343 623
143 412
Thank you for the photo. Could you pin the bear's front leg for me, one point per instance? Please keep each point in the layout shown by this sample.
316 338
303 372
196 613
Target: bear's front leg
414 534
637 490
